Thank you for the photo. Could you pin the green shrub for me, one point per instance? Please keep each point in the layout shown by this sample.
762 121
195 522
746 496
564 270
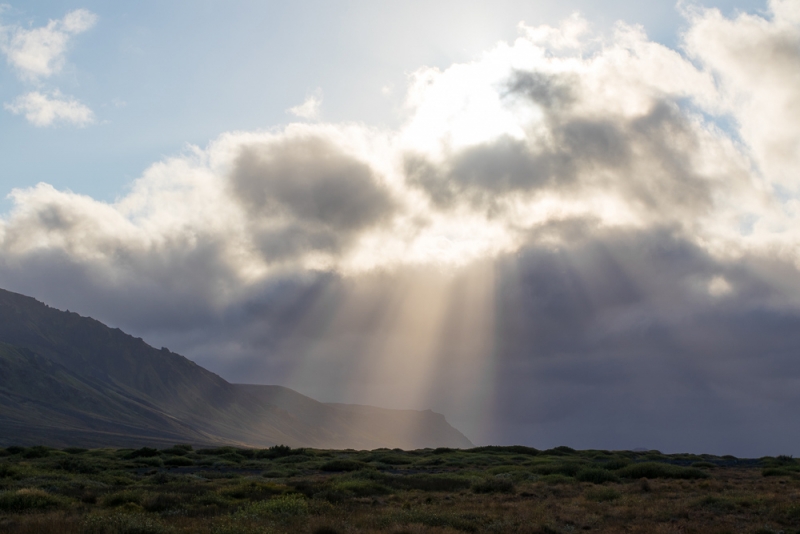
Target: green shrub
218 451
293 459
15 449
144 452
121 498
512 449
178 450
706 465
362 488
77 465
152 462
616 463
253 489
161 502
777 472
27 499
596 475
342 465
563 450
555 479
36 452
568 468
75 450
7 471
178 461
494 485
278 451
659 470
389 459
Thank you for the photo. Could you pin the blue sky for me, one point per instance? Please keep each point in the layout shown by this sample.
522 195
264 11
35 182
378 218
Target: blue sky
557 223
170 73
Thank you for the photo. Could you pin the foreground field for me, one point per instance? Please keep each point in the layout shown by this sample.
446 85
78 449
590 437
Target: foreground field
486 489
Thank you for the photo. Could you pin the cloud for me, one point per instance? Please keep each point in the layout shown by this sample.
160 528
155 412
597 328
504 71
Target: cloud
39 52
573 239
41 109
305 193
310 108
756 61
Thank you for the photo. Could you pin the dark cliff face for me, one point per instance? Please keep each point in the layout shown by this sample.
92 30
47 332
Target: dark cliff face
71 380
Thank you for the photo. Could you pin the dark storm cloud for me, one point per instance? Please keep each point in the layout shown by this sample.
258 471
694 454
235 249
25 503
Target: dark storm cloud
306 194
614 343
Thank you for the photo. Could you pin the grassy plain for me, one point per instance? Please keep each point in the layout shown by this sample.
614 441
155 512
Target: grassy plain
485 489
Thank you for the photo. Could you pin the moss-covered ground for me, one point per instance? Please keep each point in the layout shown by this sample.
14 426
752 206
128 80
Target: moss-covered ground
485 489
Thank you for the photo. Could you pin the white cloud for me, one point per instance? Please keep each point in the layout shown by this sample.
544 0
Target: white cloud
757 61
46 110
310 108
39 52
718 286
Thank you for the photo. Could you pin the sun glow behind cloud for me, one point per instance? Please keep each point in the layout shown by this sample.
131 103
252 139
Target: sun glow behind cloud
566 148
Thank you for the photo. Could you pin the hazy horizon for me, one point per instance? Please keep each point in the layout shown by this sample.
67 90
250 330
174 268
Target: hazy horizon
554 224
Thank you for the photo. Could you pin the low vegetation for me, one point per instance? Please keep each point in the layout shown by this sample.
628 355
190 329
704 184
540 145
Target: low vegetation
486 489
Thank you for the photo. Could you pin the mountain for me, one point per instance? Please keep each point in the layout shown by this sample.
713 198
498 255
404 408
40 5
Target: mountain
68 380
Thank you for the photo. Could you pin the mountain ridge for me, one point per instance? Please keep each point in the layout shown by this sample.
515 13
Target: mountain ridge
70 380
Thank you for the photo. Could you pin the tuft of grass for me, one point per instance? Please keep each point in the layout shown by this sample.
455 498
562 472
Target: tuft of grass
596 475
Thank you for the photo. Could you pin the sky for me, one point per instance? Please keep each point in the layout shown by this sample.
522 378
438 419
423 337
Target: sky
557 223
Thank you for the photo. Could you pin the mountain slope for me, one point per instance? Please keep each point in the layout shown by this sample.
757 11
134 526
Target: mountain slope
71 380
